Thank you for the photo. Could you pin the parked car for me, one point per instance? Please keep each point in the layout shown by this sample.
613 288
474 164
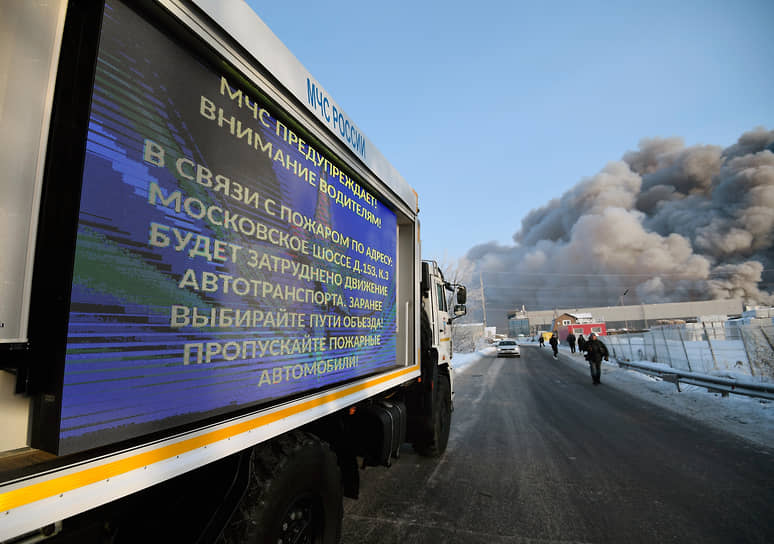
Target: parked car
508 348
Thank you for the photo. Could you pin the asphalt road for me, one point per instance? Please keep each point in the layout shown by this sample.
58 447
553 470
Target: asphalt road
538 454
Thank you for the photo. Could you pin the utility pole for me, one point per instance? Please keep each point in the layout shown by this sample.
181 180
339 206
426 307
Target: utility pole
483 300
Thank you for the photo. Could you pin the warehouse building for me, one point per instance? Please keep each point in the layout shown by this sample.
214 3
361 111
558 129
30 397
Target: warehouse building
633 317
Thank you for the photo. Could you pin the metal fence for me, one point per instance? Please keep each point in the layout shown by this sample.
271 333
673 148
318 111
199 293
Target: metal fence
702 347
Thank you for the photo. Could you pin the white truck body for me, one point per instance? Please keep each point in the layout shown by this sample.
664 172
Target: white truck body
207 253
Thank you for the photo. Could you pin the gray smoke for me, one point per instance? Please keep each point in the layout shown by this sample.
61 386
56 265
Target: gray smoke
667 222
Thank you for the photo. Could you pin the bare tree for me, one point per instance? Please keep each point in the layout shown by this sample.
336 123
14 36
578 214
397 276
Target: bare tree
459 271
466 335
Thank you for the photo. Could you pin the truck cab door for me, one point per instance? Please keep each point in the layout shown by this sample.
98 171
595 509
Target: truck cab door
443 327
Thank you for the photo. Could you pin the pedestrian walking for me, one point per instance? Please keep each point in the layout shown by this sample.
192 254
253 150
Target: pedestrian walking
596 350
554 341
571 342
581 343
542 340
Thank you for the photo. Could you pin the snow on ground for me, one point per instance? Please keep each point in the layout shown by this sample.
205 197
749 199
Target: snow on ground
749 418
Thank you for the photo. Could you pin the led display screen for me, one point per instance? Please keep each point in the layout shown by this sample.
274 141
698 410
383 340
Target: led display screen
223 261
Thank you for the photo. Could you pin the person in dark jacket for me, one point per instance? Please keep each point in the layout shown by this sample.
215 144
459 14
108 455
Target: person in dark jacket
554 341
542 340
571 342
596 350
581 343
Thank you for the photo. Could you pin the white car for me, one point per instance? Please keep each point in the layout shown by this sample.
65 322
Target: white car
508 348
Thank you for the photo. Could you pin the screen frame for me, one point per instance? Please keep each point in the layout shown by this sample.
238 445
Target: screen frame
60 202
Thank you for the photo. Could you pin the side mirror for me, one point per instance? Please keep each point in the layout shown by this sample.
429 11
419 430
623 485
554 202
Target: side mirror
460 310
462 296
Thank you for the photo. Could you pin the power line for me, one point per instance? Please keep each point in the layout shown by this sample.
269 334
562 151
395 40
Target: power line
603 274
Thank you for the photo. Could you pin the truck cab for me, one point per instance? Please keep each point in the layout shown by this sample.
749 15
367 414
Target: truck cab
437 296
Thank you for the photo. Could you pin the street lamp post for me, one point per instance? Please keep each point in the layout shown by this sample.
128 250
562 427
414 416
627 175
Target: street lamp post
626 321
483 300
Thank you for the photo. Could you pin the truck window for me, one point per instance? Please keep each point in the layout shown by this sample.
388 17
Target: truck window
441 297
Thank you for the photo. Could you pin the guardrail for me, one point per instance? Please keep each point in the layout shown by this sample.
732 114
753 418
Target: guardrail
701 348
712 383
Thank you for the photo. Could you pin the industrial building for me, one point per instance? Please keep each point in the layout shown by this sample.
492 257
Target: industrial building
640 316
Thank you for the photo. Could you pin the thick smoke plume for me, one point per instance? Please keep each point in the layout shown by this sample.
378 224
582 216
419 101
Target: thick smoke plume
668 223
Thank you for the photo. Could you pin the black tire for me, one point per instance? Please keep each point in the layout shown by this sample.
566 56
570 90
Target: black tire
294 495
436 440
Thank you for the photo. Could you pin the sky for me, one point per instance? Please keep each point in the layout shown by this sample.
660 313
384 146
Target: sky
747 417
491 110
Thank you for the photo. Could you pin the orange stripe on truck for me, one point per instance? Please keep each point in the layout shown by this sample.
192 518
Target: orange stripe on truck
64 484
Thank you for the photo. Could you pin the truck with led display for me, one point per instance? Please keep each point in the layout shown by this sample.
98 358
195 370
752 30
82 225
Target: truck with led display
213 304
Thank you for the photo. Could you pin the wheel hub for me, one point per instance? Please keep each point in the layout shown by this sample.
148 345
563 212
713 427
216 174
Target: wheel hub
298 525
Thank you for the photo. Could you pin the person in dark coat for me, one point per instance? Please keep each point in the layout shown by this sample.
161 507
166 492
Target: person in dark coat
571 342
542 340
596 350
554 341
581 343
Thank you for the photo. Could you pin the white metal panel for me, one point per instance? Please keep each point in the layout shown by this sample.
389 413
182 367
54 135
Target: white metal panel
30 38
15 414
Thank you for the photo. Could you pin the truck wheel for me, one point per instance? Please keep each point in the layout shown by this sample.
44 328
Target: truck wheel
294 494
434 444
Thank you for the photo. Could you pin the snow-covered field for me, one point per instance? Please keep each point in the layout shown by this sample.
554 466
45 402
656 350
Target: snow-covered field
749 418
